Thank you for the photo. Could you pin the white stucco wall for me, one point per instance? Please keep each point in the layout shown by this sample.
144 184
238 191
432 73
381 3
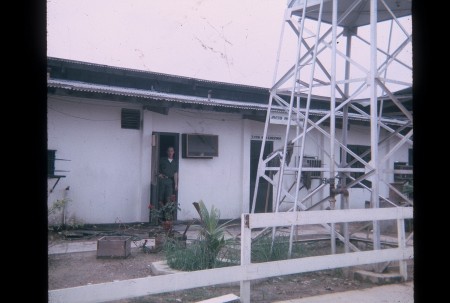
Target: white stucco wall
217 181
110 168
103 160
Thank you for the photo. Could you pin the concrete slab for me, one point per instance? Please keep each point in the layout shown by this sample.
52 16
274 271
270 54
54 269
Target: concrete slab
83 246
393 293
377 278
230 298
71 247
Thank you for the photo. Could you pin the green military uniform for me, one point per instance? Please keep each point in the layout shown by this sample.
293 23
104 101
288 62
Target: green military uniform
166 182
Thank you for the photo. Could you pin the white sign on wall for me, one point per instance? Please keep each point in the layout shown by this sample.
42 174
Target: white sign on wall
273 138
282 118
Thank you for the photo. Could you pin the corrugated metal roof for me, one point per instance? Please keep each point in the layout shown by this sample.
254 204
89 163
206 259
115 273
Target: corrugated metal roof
148 94
154 95
146 73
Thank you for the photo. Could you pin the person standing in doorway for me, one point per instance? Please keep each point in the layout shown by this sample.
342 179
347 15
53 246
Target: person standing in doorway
168 177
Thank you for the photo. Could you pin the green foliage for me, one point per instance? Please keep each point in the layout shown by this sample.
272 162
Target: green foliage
165 211
66 223
74 223
189 259
264 251
57 206
211 234
196 256
208 250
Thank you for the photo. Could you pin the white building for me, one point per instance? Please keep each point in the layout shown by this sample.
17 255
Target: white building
108 126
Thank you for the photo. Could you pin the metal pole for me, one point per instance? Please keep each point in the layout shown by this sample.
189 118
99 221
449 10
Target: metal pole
385 53
397 134
386 63
380 114
263 144
305 121
297 132
342 17
288 124
343 180
324 70
375 200
296 75
278 53
333 120
397 146
395 18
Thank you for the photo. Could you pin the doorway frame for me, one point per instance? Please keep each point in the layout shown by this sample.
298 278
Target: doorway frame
269 193
156 155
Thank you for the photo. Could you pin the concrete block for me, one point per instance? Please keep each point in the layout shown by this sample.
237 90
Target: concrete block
114 247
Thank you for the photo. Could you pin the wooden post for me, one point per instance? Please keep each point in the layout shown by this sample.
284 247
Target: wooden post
402 245
246 246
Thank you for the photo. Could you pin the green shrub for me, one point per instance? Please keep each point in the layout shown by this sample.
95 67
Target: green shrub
263 251
209 250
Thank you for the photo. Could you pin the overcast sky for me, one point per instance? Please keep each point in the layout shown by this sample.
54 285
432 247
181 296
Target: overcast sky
223 40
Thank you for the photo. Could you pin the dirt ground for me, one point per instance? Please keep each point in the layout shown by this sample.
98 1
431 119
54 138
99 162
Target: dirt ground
83 268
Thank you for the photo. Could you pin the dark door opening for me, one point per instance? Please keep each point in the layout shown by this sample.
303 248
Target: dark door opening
264 194
160 142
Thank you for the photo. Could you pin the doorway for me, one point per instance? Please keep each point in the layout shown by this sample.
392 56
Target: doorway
160 142
264 194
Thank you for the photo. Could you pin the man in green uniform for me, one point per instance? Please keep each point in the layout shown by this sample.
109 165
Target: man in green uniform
168 176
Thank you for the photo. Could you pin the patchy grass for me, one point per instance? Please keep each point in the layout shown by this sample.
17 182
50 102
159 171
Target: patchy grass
266 249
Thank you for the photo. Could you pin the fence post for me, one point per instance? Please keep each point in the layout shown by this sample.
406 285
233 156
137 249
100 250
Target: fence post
246 244
402 245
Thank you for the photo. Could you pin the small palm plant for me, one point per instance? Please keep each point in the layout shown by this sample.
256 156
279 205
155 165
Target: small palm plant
203 253
211 234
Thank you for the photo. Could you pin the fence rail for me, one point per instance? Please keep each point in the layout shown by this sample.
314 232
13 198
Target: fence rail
247 271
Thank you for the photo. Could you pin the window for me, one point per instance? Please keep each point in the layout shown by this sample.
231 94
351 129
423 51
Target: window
359 150
51 162
313 162
410 157
200 146
402 177
130 118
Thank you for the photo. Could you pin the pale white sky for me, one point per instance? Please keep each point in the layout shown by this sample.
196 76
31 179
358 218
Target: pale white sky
224 40
232 41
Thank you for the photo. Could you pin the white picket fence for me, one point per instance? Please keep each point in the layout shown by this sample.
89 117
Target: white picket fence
247 271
